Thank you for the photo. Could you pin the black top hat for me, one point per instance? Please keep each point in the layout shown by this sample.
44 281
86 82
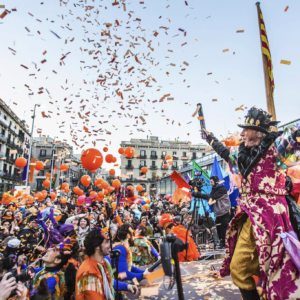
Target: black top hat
260 120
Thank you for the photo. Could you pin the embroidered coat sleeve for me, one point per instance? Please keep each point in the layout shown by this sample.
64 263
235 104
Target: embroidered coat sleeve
288 147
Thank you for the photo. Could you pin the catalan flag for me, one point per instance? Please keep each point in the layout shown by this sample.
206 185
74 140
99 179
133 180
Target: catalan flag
266 49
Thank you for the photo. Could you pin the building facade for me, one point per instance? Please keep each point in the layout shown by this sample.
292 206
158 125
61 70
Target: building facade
47 150
14 143
151 153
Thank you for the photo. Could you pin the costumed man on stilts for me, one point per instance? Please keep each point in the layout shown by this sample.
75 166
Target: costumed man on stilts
253 240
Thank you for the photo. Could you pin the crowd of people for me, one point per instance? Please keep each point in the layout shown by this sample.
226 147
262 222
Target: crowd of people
63 250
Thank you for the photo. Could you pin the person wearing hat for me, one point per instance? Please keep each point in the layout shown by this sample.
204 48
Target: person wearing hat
31 239
253 243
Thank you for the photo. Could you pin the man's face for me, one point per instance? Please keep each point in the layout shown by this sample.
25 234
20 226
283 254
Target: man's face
183 211
18 217
50 258
105 247
250 137
34 224
127 218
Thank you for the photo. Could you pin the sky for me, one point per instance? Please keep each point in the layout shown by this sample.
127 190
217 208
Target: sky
189 45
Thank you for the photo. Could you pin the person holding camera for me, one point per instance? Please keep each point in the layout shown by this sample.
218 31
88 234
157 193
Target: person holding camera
219 197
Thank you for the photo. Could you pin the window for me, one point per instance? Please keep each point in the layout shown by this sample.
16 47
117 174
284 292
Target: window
43 152
5 168
174 153
5 117
3 131
129 162
143 153
41 173
153 153
175 164
153 163
184 154
39 184
194 155
143 163
164 153
203 154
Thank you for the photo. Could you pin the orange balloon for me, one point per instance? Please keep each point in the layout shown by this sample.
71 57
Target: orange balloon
168 157
65 185
105 192
165 166
116 183
129 152
121 150
92 194
30 200
110 189
100 194
53 196
91 159
46 183
86 180
105 149
114 160
93 171
67 190
130 187
139 188
44 192
39 165
20 162
112 172
104 185
64 168
147 201
109 158
144 169
76 189
38 196
80 192
98 181
63 200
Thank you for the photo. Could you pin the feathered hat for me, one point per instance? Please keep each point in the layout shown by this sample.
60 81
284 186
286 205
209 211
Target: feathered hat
166 220
260 120
65 245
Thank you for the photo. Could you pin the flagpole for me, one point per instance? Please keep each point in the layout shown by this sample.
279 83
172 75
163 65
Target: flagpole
270 100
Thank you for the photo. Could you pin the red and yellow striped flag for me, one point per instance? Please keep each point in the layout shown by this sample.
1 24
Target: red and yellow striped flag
266 50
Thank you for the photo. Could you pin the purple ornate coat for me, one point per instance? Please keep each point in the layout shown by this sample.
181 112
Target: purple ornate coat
263 200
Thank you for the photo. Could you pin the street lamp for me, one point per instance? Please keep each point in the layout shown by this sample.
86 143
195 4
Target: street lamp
52 159
29 156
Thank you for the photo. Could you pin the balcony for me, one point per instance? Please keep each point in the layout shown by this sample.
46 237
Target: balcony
40 177
140 166
163 156
7 175
26 156
162 167
2 154
12 144
45 156
4 122
174 167
143 156
16 177
74 179
184 158
153 168
153 156
10 159
129 167
14 130
175 158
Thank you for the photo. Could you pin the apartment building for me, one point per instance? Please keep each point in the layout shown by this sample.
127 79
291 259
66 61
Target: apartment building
14 143
46 149
151 153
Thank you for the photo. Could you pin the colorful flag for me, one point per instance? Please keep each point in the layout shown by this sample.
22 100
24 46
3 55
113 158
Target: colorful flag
266 50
